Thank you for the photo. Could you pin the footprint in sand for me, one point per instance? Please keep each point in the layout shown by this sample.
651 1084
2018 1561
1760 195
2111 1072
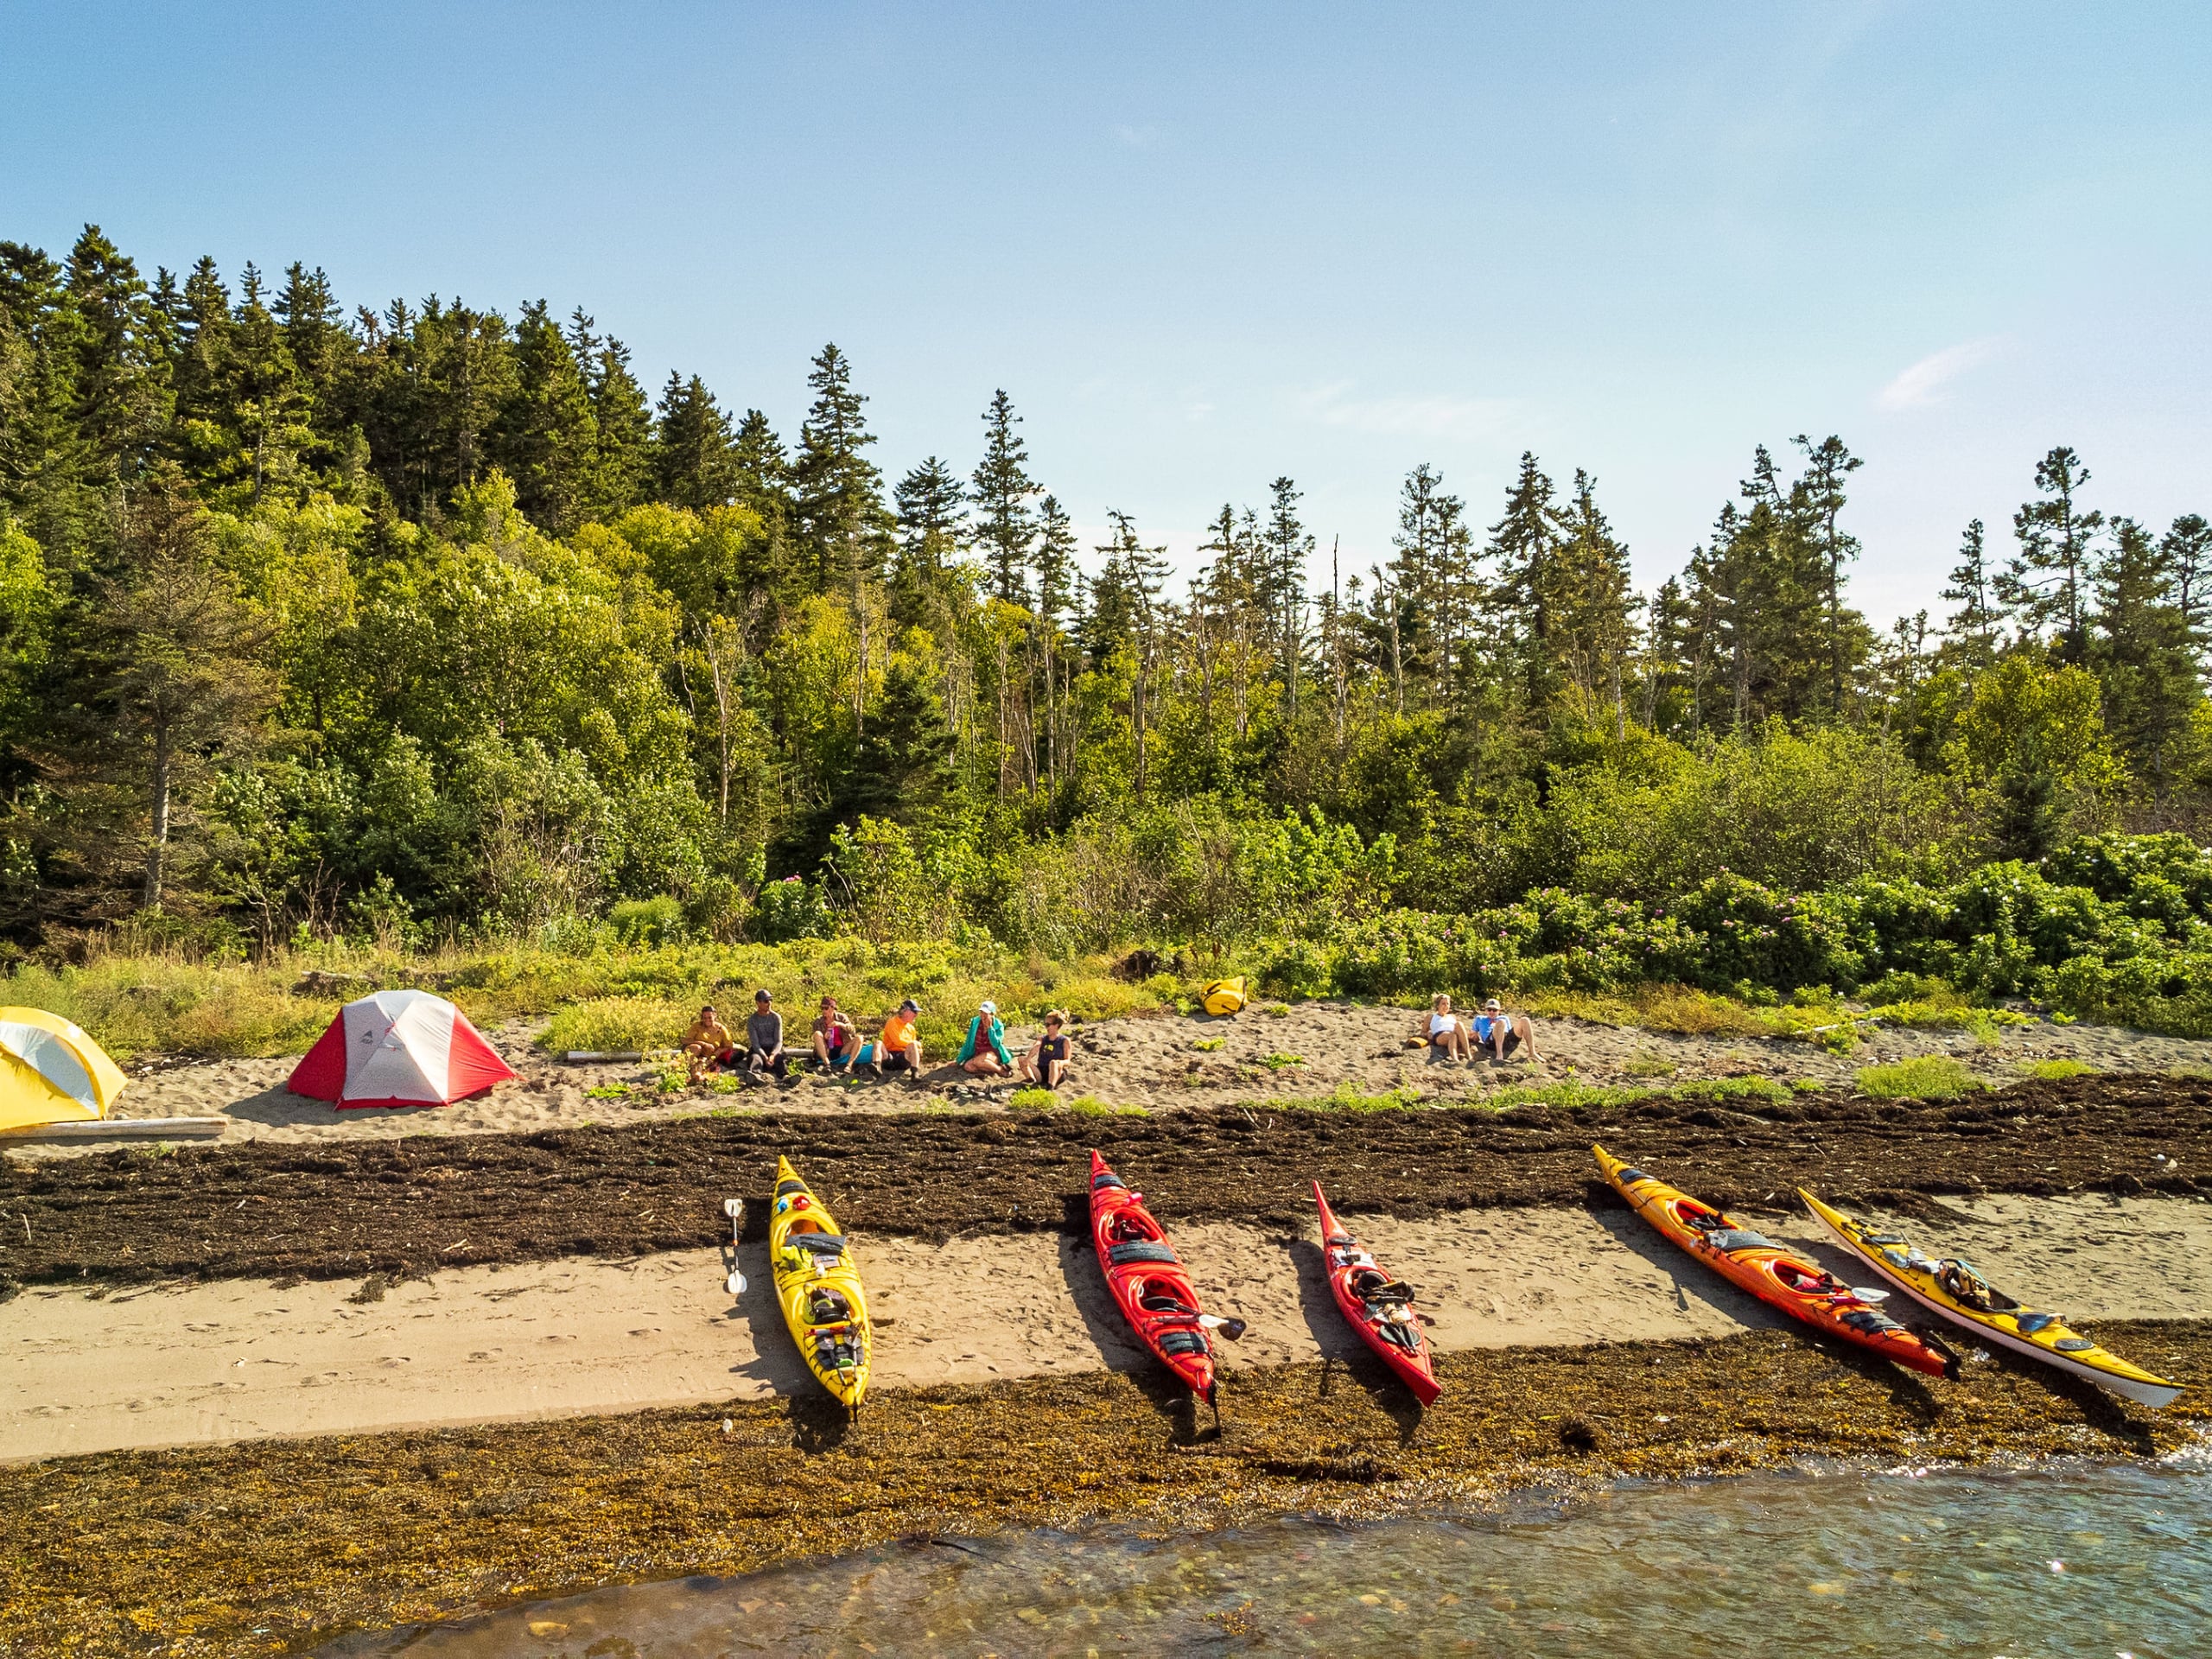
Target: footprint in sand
484 1354
392 1362
202 1326
321 1380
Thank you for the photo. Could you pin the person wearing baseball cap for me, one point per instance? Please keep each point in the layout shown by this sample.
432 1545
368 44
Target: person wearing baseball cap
983 1054
898 1047
1502 1032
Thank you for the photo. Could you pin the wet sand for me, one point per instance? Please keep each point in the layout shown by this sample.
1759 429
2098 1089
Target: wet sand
178 1365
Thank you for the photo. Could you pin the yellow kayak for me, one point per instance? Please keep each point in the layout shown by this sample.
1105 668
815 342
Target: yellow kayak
1961 1295
819 1288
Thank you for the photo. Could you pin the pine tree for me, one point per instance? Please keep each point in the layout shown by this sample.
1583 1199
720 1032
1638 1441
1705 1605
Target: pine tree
1532 590
695 466
1058 594
45 465
121 375
2187 549
931 517
841 521
842 526
1427 590
548 435
1593 607
622 423
1286 547
1001 487
1820 497
1973 627
2143 654
2048 581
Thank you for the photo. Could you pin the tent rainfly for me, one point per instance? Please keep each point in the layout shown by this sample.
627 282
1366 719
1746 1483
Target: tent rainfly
51 1071
398 1048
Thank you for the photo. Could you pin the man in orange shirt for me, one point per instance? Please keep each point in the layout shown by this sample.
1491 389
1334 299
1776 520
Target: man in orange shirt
898 1049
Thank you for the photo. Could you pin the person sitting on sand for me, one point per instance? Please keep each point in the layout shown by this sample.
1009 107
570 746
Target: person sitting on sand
897 1046
835 1038
707 1045
1502 1032
1447 1034
764 1038
984 1055
1046 1062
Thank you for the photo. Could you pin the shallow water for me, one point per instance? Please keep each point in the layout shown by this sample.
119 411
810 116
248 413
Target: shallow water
2083 1559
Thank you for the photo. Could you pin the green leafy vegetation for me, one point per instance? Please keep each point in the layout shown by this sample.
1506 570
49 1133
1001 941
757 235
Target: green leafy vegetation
1927 1077
2053 1070
1347 1099
427 638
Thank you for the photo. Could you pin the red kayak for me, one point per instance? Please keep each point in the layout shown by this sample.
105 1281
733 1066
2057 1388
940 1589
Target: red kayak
1379 1307
1149 1284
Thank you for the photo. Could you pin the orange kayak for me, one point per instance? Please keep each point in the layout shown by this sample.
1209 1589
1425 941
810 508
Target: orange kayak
1773 1274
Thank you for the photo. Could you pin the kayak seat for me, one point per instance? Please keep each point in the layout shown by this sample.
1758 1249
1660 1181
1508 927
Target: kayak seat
818 1244
1395 1290
1122 1254
1160 1302
1183 1341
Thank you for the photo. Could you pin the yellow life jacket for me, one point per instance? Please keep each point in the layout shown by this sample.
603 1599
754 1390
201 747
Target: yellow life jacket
1223 996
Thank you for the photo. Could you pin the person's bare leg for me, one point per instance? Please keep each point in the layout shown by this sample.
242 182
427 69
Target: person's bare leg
1525 1028
822 1050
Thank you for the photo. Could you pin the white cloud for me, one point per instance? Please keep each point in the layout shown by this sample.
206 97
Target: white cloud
1923 383
1434 416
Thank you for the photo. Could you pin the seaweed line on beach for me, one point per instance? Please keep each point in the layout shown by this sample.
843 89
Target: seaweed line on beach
411 1206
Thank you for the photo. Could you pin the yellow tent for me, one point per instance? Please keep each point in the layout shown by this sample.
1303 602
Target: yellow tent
50 1071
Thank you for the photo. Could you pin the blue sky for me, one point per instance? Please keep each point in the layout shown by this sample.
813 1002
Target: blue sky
1201 246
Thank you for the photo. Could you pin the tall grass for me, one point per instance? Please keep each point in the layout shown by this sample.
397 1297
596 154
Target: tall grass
605 996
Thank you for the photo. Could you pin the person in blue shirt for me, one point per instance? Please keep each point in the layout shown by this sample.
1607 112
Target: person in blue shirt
984 1055
1502 1032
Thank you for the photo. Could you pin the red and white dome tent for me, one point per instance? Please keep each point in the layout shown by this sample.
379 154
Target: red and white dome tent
398 1048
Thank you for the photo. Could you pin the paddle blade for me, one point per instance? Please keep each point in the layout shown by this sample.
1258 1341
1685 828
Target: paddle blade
733 1208
1232 1329
1869 1293
735 1282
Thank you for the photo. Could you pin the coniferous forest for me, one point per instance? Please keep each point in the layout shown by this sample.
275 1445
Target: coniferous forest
426 621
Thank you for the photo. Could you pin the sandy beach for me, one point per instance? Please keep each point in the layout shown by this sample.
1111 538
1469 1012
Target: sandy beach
1159 1063
178 1365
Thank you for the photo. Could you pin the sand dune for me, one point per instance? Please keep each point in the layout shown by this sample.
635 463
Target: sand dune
240 1360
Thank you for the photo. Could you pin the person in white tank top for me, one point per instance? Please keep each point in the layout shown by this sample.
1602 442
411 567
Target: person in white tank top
1447 1033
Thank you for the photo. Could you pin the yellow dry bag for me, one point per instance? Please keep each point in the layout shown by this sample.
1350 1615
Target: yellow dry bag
1223 996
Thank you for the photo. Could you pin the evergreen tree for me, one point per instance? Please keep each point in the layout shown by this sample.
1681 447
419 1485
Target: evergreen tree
547 436
622 423
1429 589
933 516
2143 654
2048 581
1287 546
1593 607
764 472
45 461
695 462
121 375
2187 551
1001 489
1973 627
838 504
1820 497
1533 589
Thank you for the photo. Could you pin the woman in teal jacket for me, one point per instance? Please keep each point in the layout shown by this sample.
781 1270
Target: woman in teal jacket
984 1055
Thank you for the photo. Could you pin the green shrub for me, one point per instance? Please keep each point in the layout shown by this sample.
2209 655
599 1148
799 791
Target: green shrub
1927 1077
647 921
1091 1106
1032 1100
2053 1070
1347 1099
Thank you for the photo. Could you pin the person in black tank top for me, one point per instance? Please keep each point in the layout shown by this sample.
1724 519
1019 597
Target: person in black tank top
1046 1062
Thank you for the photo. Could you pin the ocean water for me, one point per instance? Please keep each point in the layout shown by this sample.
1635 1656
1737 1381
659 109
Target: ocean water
2073 1561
